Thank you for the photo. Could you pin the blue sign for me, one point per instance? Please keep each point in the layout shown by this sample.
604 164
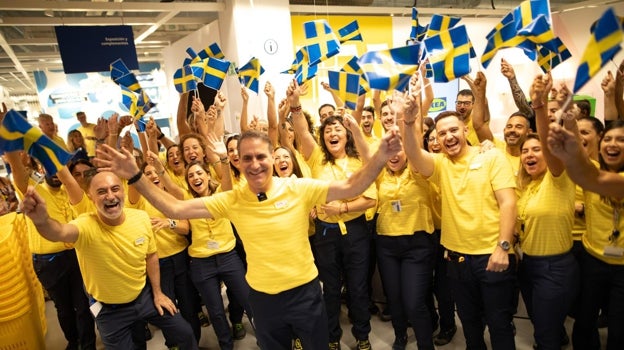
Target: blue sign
93 48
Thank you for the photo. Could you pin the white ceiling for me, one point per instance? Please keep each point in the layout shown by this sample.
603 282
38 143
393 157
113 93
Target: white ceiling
28 40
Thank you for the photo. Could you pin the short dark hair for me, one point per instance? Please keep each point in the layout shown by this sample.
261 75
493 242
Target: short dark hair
253 134
326 105
466 92
447 114
596 124
369 109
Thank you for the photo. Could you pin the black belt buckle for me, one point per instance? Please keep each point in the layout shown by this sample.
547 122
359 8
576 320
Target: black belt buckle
450 255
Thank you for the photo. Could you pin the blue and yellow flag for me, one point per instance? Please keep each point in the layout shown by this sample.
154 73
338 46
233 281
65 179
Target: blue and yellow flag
418 32
300 56
184 80
301 67
441 23
449 54
506 36
138 105
353 67
321 42
122 76
392 68
603 44
211 71
350 32
548 60
347 85
529 11
249 74
212 51
16 133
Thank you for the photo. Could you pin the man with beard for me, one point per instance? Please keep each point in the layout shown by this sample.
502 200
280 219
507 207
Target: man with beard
55 263
367 122
518 125
478 247
116 251
464 104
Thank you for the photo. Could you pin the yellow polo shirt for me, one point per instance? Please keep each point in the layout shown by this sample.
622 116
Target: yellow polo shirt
274 231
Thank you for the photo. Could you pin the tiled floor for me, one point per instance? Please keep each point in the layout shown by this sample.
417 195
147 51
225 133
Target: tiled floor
381 336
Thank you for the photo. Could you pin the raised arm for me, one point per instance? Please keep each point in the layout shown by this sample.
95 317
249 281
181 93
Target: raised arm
619 91
358 137
182 115
122 163
565 146
35 208
337 100
244 118
516 91
539 95
418 159
608 87
271 113
301 125
389 146
480 109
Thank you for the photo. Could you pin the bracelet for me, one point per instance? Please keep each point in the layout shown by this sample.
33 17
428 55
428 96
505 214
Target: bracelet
537 107
295 109
135 178
409 122
160 136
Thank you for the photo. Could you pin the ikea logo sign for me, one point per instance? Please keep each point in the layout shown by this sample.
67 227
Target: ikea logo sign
438 105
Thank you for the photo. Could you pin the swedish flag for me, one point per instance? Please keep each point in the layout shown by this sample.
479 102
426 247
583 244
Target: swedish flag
506 36
122 76
392 68
321 42
418 32
603 44
16 133
350 32
441 23
347 85
184 80
128 99
250 73
300 56
213 50
353 67
449 54
143 105
529 11
211 71
548 59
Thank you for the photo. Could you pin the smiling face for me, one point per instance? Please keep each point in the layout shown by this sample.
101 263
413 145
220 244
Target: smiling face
387 118
398 162
150 173
589 136
326 112
192 150
463 105
198 179
107 193
76 139
452 136
433 144
256 163
335 138
174 160
612 149
80 173
283 162
553 107
532 158
368 118
516 130
232 153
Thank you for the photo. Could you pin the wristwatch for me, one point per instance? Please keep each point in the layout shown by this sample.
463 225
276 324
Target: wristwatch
172 224
505 245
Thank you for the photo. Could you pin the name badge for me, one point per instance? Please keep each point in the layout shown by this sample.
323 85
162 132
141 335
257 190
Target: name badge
475 166
281 204
614 252
213 245
95 309
139 241
396 206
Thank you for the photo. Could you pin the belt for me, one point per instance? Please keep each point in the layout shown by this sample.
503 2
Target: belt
450 255
48 257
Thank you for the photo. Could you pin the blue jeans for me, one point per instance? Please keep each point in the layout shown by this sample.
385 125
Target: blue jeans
406 270
60 275
548 285
115 322
481 296
295 312
600 281
344 257
207 274
175 282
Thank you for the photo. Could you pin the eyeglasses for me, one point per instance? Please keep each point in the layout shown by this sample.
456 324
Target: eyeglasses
463 103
